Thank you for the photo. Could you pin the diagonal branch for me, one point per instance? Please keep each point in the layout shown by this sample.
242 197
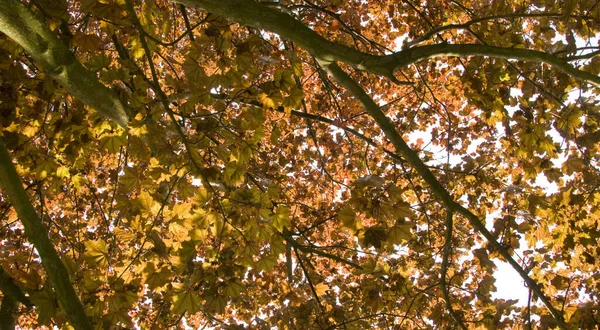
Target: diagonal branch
255 14
22 26
13 295
37 234
10 288
436 187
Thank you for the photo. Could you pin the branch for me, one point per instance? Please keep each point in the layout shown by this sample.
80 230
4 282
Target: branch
8 310
435 186
308 280
307 249
57 61
255 14
447 249
468 24
9 287
37 234
13 295
413 55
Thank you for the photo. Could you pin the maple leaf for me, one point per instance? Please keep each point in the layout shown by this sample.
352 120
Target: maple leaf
185 301
321 289
96 252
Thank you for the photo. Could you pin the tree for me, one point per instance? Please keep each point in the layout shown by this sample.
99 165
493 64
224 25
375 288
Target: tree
298 164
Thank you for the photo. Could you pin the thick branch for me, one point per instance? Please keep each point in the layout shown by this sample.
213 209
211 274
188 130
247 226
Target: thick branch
26 29
13 295
10 288
8 310
255 14
434 185
37 234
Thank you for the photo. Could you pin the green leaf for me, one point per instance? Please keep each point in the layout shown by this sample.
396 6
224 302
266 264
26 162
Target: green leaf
186 300
46 305
281 218
234 289
96 253
374 236
113 143
349 220
400 234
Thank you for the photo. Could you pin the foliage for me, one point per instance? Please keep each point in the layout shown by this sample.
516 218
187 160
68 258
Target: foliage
299 164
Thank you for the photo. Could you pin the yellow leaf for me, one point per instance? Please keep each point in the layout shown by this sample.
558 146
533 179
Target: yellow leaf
321 289
147 204
137 51
403 210
281 218
63 172
78 181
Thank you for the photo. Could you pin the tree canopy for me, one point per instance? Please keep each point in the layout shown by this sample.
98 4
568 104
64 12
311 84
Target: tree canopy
299 164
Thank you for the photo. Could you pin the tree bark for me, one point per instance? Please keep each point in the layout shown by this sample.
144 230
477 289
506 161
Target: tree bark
57 61
37 234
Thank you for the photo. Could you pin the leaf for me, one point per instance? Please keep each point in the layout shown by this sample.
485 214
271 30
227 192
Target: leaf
87 42
400 234
96 253
148 206
573 164
281 218
186 301
275 134
374 236
349 220
403 210
216 304
234 289
63 172
321 289
113 143
46 305
44 168
266 263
